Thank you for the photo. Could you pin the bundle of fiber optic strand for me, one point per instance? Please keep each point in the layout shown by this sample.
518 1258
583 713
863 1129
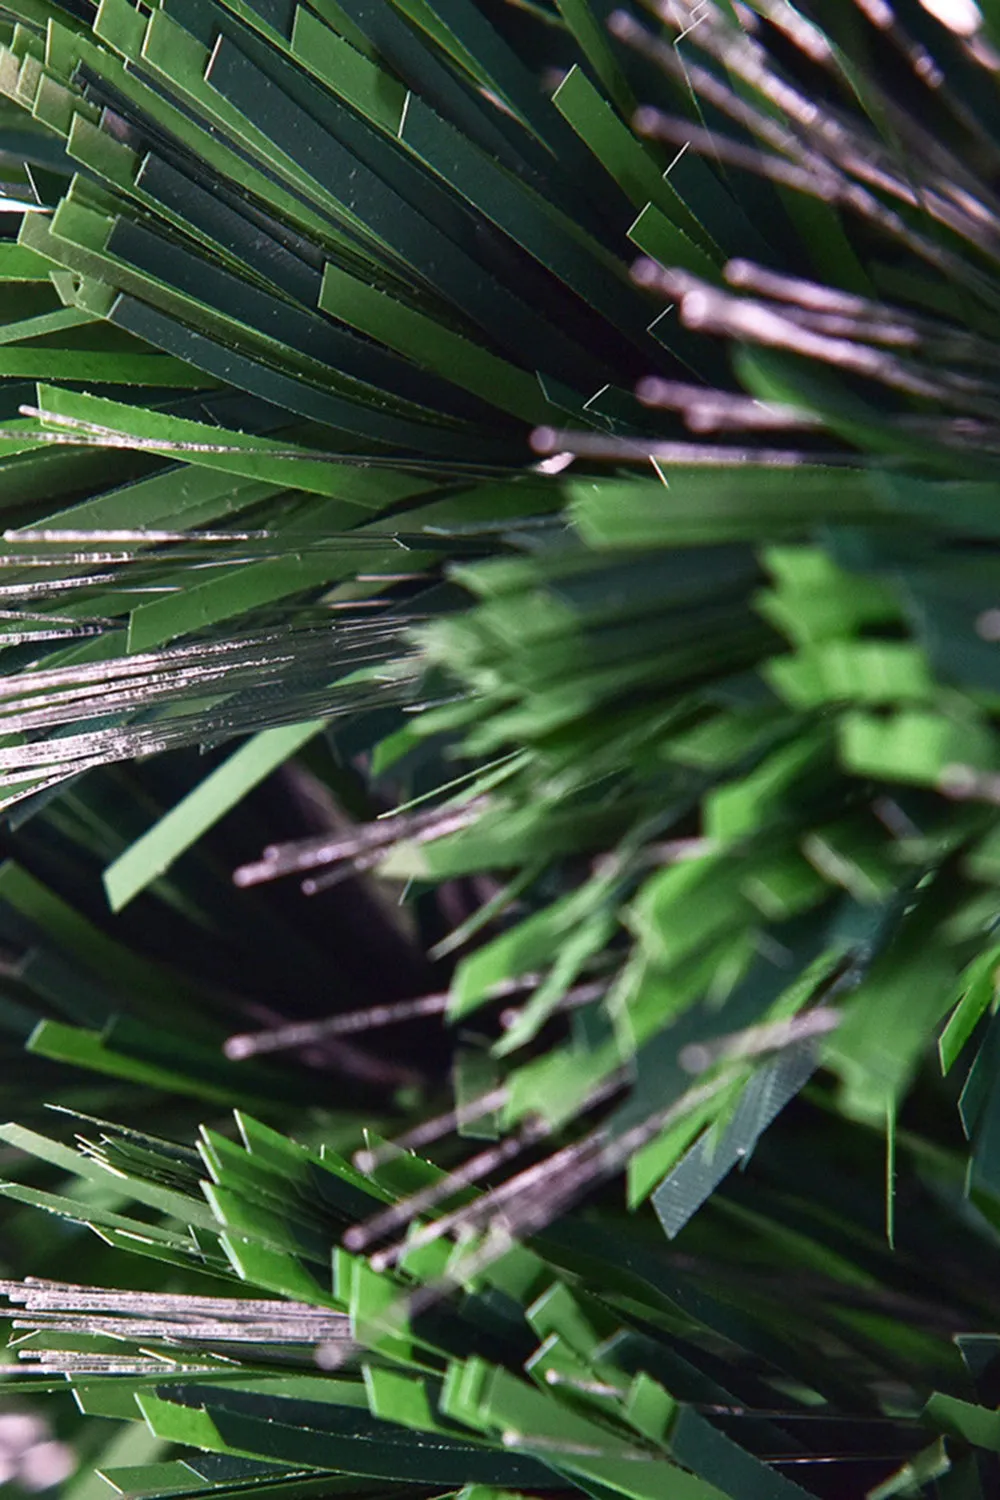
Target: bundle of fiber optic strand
571 436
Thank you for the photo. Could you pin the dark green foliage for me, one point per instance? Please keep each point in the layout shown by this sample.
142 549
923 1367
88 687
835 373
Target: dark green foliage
634 623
